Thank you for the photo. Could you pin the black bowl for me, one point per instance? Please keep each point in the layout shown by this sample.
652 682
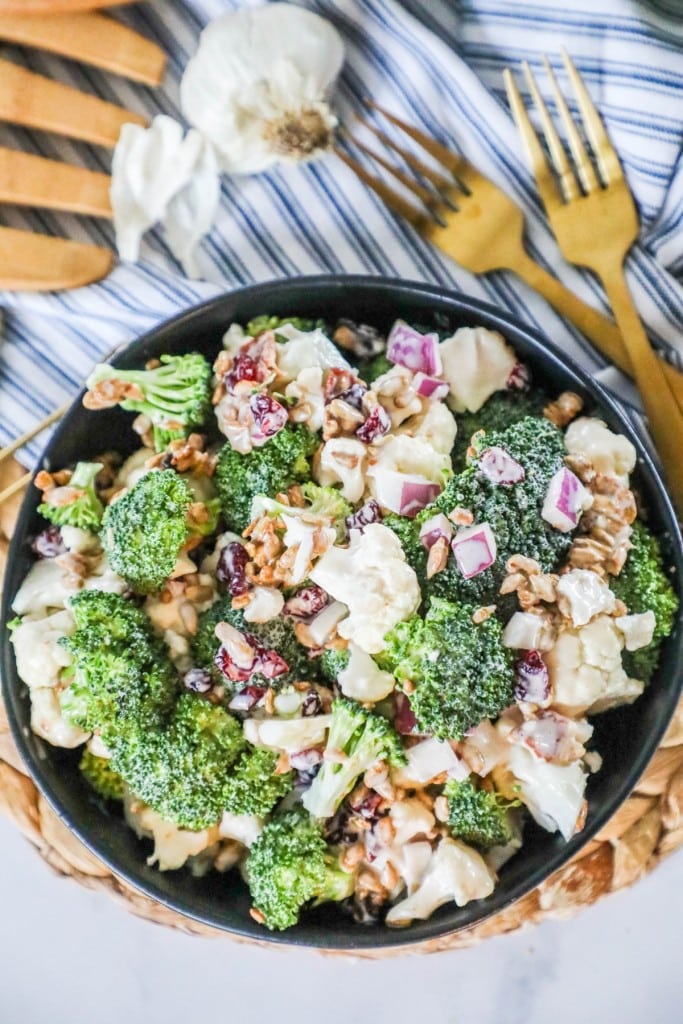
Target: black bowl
626 738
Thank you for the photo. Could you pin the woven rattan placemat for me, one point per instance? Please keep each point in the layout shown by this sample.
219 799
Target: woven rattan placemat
646 828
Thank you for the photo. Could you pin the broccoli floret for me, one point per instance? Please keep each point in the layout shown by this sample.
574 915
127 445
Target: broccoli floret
371 369
98 773
86 510
478 816
284 460
271 323
289 866
461 671
120 676
644 586
175 396
362 738
207 524
324 502
333 663
276 635
182 771
501 410
253 786
145 529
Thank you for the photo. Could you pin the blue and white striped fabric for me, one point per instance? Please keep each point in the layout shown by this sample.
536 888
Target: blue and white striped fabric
437 63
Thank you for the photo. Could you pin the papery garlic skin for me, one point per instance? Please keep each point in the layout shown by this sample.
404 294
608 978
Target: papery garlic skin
257 86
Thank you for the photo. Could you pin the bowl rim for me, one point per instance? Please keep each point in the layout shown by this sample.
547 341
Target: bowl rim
403 290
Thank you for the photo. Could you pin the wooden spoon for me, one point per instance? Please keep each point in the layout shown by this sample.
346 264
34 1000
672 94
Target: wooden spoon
56 6
38 263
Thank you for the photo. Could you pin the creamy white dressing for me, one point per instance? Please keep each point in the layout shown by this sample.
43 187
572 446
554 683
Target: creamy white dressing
609 453
40 657
363 679
583 595
476 363
456 873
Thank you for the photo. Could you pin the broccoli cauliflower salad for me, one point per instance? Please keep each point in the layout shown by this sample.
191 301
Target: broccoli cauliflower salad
342 620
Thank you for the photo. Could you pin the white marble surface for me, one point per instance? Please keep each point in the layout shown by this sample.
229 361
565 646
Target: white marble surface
68 956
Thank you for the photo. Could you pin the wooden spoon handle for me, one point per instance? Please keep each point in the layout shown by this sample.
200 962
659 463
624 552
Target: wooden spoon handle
27 180
39 102
91 39
56 6
37 263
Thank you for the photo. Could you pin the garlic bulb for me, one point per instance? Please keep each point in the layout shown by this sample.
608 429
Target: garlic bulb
257 86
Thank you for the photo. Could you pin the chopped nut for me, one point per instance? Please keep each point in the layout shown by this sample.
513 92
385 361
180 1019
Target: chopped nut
544 586
189 616
564 409
269 701
341 419
482 614
438 557
241 601
377 777
352 856
257 915
461 517
385 831
520 563
111 392
237 647
390 876
283 765
368 882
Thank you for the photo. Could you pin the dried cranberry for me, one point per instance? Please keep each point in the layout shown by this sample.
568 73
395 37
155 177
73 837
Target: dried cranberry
234 672
369 513
404 720
270 664
311 704
533 679
307 601
376 425
49 543
269 416
244 367
520 378
198 680
247 698
231 568
341 383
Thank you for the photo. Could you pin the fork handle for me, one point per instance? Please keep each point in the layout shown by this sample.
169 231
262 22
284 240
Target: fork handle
664 415
604 334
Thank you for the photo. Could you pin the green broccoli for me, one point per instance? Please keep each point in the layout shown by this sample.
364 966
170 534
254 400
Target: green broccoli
284 460
144 530
644 586
97 772
86 510
478 816
501 410
120 677
332 663
324 502
461 671
271 323
253 786
176 396
371 369
360 739
182 771
291 865
276 635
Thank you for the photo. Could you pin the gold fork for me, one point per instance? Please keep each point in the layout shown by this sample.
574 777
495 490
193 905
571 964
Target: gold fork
481 228
595 222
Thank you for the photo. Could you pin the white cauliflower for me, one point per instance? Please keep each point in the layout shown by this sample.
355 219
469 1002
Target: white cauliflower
553 793
342 460
47 720
306 349
456 873
395 391
436 426
173 846
404 454
610 453
288 734
476 363
40 657
307 393
363 679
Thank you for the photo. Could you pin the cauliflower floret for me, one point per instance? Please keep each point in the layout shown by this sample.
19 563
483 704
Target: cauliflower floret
437 427
173 846
342 460
637 630
553 793
81 542
396 393
427 760
47 720
47 585
456 872
306 349
288 734
245 828
405 454
40 657
362 679
266 604
583 595
612 454
307 392
527 632
476 363
586 673
370 576
234 338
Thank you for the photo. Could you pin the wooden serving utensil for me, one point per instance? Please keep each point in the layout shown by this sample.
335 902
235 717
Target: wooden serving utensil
27 180
89 38
30 262
56 6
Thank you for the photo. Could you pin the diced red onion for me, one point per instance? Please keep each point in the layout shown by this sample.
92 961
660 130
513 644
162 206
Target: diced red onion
376 425
434 528
368 513
430 387
304 760
405 493
305 602
499 467
247 698
474 549
404 721
519 378
564 501
416 351
533 679
269 417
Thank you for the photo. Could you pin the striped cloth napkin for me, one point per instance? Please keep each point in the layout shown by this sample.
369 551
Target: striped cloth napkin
435 62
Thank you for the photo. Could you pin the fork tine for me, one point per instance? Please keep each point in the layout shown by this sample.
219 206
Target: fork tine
455 163
425 195
439 182
388 195
539 165
19 442
568 183
604 151
584 167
